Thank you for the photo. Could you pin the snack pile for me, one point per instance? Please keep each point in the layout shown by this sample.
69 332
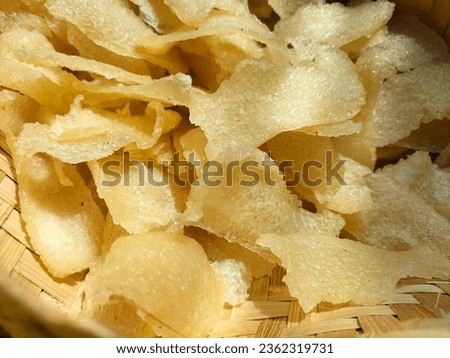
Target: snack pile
175 149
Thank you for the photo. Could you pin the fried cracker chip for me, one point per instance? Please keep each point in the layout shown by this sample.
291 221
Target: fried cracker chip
407 45
156 14
120 315
334 24
161 153
43 54
360 146
196 12
230 50
237 280
90 50
111 233
23 20
63 221
312 159
85 134
15 110
138 196
430 137
219 249
354 194
171 90
325 268
100 101
408 99
425 179
194 142
204 69
241 206
213 59
443 160
52 88
108 23
261 100
221 24
287 8
334 130
410 207
167 276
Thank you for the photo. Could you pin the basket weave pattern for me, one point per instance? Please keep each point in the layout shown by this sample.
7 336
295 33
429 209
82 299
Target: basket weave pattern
269 311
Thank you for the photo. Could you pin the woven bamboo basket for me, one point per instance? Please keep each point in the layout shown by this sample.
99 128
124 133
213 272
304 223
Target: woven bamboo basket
33 304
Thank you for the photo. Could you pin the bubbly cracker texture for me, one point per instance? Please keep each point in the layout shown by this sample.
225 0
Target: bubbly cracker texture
99 100
84 134
413 188
246 212
108 23
136 204
168 278
262 100
237 280
62 219
326 268
335 24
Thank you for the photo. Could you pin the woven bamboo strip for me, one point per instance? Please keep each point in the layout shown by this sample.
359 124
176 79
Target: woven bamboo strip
8 192
321 327
63 290
428 323
296 314
33 290
3 144
419 288
417 333
279 293
402 298
261 310
15 227
278 274
6 164
379 324
235 328
50 301
351 312
5 210
444 287
259 290
271 327
344 333
438 301
412 281
407 312
10 252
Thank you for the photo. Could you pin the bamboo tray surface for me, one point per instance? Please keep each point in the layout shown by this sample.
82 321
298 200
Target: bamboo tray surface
33 304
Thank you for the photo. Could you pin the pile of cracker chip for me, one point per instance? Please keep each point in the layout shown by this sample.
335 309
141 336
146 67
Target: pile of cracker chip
91 86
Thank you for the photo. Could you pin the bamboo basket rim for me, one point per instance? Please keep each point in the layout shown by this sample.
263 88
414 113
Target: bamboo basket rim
33 304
